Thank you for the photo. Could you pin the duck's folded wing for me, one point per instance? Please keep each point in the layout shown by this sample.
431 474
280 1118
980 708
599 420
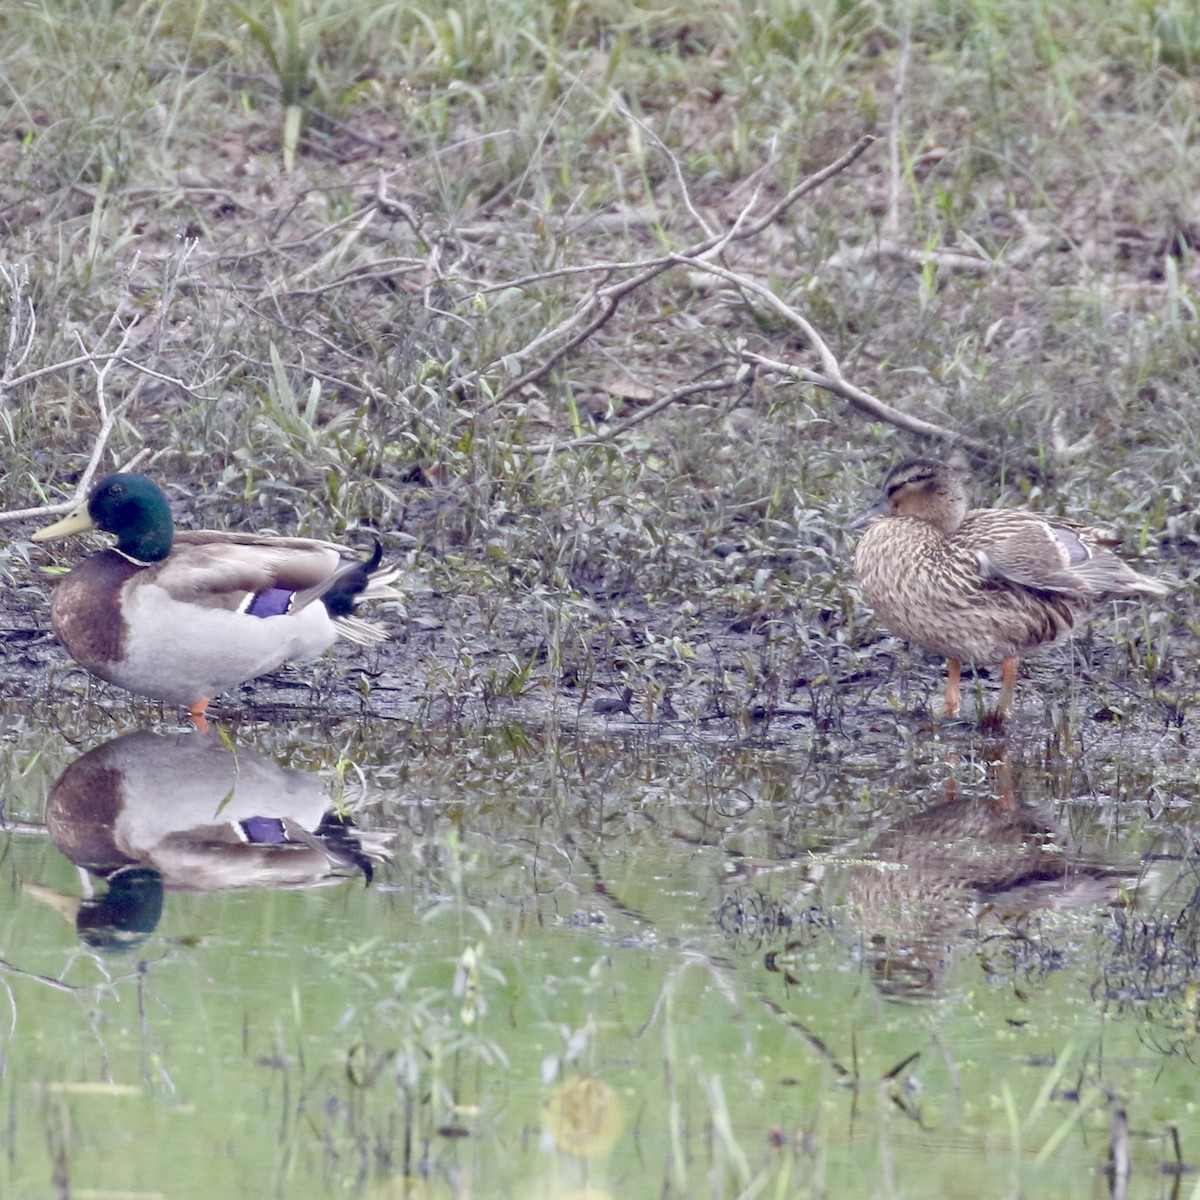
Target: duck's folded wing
1044 557
229 573
226 537
1048 557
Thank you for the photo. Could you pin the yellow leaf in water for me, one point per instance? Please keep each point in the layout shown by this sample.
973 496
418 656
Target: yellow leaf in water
96 1088
583 1116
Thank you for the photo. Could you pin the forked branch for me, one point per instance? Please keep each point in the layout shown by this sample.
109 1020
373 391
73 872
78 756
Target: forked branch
599 304
101 362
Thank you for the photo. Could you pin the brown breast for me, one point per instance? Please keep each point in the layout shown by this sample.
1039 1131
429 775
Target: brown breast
86 610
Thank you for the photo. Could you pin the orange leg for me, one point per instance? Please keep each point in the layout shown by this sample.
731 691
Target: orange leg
953 696
196 712
1008 684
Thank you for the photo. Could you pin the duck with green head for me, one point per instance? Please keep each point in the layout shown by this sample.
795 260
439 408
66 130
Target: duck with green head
181 616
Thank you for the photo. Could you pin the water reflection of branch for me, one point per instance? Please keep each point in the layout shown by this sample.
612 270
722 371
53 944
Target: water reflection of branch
57 984
602 889
893 1079
815 1041
108 984
720 971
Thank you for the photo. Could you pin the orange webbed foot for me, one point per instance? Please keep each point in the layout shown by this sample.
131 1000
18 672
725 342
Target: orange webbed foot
196 712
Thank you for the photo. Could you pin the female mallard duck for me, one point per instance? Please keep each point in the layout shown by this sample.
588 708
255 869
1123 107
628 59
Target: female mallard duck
182 616
983 585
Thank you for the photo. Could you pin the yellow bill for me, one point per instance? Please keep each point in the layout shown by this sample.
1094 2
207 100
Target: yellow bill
76 521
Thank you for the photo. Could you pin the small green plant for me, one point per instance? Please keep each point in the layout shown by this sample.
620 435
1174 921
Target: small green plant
290 35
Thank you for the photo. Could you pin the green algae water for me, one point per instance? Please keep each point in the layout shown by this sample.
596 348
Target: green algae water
360 960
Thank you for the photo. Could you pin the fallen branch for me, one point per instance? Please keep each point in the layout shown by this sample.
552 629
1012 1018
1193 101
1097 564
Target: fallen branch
891 221
55 510
614 431
869 405
830 377
596 308
880 248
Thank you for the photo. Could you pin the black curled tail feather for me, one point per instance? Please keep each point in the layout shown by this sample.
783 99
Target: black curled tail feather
349 583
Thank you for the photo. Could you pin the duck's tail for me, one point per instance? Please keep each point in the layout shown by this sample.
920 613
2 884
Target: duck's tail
346 587
1107 576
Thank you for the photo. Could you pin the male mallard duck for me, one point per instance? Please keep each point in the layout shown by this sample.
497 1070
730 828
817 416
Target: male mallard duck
182 616
983 585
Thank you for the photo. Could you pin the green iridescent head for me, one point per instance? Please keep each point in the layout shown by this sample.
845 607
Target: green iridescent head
132 508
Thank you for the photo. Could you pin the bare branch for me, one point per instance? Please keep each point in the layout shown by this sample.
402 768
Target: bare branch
676 168
80 360
65 506
830 378
598 305
46 980
102 364
951 260
614 431
868 404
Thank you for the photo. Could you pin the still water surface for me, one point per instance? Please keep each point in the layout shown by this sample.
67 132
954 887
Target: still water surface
362 960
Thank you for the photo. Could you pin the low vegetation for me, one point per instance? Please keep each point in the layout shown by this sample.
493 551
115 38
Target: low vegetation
528 290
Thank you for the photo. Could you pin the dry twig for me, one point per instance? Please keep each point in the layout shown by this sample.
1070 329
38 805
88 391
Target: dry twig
830 377
552 346
614 431
597 307
599 304
101 363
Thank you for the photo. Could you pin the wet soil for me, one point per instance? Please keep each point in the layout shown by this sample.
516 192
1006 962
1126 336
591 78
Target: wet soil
450 664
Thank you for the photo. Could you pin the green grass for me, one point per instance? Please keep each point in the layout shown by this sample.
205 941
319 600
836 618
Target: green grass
393 204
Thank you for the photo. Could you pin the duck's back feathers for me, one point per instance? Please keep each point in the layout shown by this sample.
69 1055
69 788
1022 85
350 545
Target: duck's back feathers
272 576
220 570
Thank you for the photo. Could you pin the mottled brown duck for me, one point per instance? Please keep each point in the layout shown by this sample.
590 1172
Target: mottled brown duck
980 585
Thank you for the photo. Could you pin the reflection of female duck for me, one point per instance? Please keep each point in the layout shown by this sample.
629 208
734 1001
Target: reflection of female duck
935 873
203 817
181 617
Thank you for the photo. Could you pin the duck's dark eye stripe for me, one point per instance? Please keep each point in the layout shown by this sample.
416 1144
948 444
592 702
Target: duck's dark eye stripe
910 481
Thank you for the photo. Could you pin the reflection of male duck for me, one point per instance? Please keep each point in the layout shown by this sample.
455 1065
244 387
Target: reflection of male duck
118 918
203 817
